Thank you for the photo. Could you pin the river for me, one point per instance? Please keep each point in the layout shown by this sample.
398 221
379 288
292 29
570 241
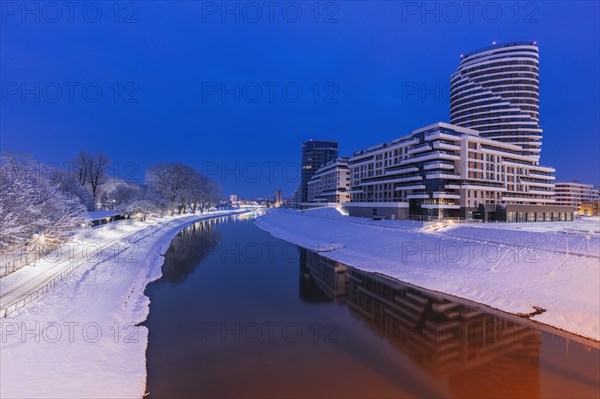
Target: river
239 313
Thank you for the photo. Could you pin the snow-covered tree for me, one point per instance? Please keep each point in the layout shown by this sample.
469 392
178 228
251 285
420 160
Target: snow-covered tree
171 181
40 207
18 212
34 209
92 171
182 187
69 184
138 201
124 193
203 193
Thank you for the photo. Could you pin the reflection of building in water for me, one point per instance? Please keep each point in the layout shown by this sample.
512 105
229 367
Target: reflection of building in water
480 354
190 246
309 291
321 279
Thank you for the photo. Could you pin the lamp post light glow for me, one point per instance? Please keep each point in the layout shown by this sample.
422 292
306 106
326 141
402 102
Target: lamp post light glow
588 237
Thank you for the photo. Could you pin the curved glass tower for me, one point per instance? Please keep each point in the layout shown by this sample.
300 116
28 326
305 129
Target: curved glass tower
495 90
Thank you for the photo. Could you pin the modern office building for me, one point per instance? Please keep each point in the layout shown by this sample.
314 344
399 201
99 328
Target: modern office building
442 170
314 155
330 183
495 90
573 193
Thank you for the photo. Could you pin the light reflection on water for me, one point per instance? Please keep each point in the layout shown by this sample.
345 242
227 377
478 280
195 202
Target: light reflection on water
239 313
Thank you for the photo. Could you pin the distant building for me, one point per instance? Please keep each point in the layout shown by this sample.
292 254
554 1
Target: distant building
233 198
589 208
314 155
294 202
442 170
573 193
278 198
250 203
330 183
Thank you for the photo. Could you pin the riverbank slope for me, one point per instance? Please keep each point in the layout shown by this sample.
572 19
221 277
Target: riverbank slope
516 268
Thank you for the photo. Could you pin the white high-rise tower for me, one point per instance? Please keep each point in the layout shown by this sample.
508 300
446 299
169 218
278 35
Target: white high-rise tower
495 90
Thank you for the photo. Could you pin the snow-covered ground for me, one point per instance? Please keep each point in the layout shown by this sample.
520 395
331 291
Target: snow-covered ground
511 267
80 339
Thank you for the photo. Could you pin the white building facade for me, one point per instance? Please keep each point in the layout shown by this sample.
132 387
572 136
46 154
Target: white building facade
495 90
330 183
443 170
573 193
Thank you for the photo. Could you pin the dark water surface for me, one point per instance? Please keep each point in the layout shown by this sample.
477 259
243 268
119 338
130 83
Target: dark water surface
239 313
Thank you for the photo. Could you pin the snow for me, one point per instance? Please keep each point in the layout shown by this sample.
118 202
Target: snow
510 267
80 340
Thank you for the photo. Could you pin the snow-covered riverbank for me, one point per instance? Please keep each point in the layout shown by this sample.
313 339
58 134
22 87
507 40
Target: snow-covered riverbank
80 340
510 267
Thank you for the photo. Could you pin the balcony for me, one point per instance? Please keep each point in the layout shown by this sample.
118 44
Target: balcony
410 187
473 185
406 141
419 148
438 165
529 182
541 176
380 180
432 155
362 161
546 169
449 155
418 196
445 194
439 204
516 163
541 192
399 171
443 145
444 136
527 199
442 175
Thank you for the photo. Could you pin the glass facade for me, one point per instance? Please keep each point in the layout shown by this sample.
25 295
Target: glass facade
314 155
521 217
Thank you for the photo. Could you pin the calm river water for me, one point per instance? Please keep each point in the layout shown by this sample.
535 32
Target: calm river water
239 313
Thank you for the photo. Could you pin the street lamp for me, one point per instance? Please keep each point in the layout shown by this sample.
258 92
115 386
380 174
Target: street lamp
588 237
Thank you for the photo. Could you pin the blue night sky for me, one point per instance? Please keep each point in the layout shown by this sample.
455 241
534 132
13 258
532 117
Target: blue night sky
368 67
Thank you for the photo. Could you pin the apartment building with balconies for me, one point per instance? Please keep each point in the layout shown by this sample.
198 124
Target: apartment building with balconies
330 183
574 193
443 170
